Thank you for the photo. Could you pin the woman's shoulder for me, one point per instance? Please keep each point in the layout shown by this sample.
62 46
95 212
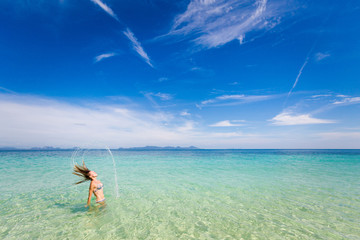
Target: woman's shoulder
92 184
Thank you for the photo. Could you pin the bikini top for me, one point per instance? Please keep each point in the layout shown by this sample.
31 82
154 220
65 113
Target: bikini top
99 187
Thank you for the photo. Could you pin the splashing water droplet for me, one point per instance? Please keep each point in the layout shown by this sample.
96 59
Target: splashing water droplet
116 182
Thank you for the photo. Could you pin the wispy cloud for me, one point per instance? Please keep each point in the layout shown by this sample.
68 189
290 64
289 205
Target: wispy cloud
287 118
37 121
103 56
40 121
227 123
7 90
137 46
153 97
128 33
28 121
214 23
228 100
346 100
320 56
321 96
163 96
186 127
185 113
106 8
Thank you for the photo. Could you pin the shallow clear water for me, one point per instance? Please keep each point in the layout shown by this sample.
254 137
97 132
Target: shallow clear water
197 194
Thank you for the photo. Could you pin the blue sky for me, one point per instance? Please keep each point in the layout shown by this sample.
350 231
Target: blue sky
214 74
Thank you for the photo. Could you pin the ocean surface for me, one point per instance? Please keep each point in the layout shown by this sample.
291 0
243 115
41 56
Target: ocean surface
183 194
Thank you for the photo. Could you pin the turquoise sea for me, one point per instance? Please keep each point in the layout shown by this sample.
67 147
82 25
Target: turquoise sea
183 194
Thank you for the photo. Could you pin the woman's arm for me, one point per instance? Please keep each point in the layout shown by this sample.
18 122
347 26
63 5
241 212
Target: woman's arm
89 198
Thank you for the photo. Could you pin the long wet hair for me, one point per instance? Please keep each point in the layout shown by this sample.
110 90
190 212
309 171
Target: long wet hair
81 171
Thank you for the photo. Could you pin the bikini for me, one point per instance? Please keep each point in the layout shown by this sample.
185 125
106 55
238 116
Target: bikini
99 187
102 200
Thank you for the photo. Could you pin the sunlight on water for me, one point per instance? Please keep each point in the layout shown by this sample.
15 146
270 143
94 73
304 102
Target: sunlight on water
183 195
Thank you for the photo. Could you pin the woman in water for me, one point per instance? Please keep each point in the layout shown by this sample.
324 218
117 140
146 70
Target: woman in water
96 186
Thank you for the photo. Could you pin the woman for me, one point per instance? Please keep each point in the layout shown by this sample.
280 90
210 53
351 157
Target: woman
96 186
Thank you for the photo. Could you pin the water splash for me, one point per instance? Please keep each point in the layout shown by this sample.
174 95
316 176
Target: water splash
73 156
115 173
80 153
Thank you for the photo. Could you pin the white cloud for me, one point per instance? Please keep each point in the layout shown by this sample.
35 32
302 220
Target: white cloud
286 118
137 46
320 56
103 56
35 121
215 23
163 96
185 113
31 121
337 100
106 8
321 95
227 123
347 100
228 100
186 127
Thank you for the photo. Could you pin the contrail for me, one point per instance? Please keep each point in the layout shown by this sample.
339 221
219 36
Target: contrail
300 71
303 66
308 56
299 74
